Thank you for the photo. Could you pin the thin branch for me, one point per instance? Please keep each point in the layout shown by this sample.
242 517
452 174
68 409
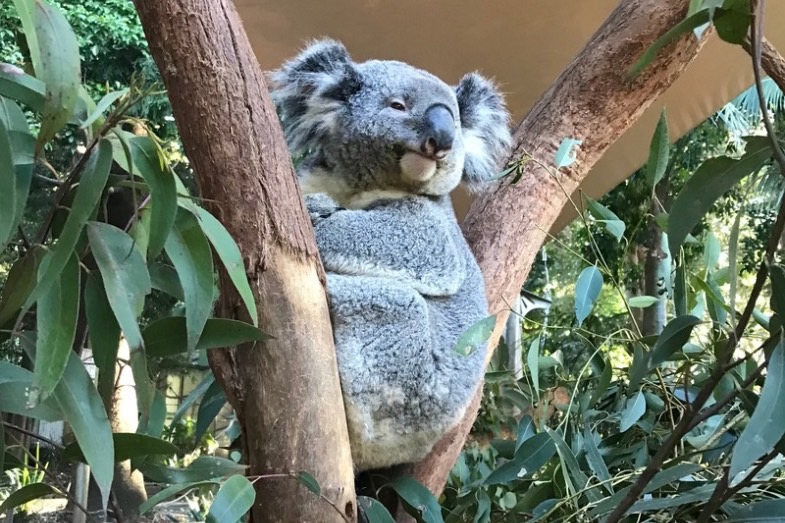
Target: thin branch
32 434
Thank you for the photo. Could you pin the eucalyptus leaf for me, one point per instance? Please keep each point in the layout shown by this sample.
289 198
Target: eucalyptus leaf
713 178
587 290
634 409
602 214
190 253
688 24
8 195
419 501
642 302
659 152
767 423
233 500
533 362
28 493
127 445
104 333
168 336
170 492
529 458
475 336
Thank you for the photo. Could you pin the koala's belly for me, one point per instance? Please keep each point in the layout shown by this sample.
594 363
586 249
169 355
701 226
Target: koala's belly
404 386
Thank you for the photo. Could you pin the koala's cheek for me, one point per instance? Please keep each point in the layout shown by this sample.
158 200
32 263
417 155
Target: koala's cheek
417 168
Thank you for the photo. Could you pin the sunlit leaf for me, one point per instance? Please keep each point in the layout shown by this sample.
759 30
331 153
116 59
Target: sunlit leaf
634 409
712 179
767 423
56 316
170 492
659 152
567 152
190 253
587 290
26 494
642 302
475 336
603 215
103 104
533 362
235 497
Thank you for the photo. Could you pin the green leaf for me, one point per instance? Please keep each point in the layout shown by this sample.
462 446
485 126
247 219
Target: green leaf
154 425
168 337
766 511
419 501
374 511
634 409
229 254
26 494
15 382
56 316
681 290
587 290
669 476
767 423
127 445
202 468
83 410
8 195
104 332
673 338
170 492
642 302
103 104
686 25
20 282
91 185
190 253
309 482
475 336
124 275
483 514
12 116
659 152
26 11
605 216
712 179
733 21
525 431
145 161
233 500
213 401
23 88
530 456
693 496
568 460
58 67
533 362
192 397
602 384
711 252
164 278
595 460
566 154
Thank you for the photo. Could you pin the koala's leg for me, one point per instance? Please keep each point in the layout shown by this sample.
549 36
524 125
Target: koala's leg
393 393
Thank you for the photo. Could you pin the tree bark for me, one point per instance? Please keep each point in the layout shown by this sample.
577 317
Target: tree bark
593 100
286 391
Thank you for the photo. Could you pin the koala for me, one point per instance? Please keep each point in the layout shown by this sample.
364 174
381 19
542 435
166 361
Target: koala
383 144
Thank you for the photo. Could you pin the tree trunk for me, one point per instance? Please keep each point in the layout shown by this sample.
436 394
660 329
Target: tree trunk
593 100
658 266
286 391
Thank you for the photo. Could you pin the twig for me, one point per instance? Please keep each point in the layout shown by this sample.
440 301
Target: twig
32 434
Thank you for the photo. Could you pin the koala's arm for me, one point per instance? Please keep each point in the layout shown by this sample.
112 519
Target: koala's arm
408 240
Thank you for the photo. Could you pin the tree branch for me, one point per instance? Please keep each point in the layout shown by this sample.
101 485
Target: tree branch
285 391
593 100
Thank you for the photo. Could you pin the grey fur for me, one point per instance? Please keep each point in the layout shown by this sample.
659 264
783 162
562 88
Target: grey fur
402 283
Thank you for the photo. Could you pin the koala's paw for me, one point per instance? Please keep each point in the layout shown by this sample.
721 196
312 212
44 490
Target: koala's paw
320 206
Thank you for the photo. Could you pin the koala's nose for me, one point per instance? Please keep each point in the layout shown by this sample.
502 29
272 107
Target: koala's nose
439 132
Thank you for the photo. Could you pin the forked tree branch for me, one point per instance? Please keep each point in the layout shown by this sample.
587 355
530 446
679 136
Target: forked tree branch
594 101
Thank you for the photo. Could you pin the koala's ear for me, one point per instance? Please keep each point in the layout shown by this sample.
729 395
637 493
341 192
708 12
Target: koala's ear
310 90
485 129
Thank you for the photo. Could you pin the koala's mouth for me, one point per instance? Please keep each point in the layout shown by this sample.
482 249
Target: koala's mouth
418 168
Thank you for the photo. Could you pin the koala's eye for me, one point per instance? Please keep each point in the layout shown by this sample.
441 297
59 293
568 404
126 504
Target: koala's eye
398 106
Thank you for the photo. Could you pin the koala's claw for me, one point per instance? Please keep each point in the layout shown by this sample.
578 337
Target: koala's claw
320 206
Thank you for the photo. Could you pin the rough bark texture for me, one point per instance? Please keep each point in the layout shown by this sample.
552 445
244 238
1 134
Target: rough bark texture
593 100
286 392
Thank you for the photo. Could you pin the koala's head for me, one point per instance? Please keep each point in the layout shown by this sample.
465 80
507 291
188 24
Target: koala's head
385 126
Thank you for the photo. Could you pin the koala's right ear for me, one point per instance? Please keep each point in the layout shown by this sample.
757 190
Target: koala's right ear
310 90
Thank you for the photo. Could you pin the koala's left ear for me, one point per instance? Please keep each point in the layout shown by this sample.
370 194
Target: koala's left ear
485 128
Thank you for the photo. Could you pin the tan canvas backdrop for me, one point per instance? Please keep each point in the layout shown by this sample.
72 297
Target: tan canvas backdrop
523 44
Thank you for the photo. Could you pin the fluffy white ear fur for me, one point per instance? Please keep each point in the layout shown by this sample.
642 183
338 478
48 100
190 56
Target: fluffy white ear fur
485 128
309 89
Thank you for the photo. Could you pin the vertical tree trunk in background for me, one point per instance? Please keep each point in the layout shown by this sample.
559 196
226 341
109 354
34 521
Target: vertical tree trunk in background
286 391
657 268
593 101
